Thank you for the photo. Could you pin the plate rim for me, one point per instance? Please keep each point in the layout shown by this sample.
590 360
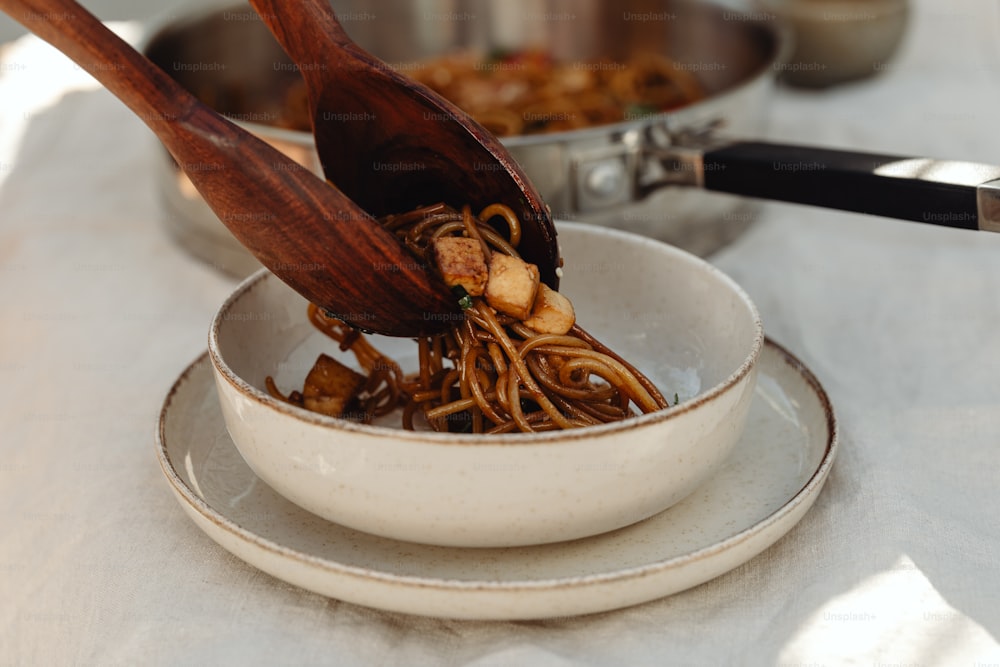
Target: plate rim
806 493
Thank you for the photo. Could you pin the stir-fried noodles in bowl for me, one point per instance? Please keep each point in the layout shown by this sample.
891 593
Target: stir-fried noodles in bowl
679 322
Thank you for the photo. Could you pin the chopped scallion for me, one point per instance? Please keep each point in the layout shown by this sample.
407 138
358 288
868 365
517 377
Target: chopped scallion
464 300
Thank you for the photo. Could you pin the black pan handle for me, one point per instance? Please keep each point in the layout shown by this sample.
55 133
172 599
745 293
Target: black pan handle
940 192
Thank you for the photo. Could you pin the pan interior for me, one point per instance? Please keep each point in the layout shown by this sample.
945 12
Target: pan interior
228 57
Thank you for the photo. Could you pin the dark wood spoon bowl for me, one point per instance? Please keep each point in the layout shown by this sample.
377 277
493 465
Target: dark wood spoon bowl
312 236
391 144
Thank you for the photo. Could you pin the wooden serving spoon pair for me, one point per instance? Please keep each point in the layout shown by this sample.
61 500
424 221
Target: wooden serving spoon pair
387 145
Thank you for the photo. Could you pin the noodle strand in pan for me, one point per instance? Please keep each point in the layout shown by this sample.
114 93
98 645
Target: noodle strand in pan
529 92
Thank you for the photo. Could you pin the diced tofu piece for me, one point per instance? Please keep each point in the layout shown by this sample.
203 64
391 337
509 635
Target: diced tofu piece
552 312
331 387
462 262
512 285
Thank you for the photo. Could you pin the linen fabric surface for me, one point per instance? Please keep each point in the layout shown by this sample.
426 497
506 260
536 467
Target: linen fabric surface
897 563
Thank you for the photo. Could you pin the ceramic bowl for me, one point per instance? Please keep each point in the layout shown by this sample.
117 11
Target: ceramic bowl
839 40
686 325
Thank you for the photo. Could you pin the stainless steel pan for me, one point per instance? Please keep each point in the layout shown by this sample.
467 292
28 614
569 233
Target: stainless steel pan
601 175
625 175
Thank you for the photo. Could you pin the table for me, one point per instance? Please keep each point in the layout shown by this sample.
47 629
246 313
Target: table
897 564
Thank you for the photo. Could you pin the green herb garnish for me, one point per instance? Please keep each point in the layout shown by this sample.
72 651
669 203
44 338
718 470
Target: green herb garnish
464 300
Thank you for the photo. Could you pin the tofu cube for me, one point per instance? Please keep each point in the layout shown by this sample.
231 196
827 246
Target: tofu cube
552 312
331 387
512 285
461 262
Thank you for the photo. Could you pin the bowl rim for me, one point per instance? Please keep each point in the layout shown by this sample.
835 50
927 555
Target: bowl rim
334 424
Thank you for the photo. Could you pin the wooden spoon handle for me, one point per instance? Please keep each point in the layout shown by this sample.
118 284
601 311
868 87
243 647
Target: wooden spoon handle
307 232
301 25
311 22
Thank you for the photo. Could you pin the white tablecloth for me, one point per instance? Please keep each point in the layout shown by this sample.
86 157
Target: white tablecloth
897 564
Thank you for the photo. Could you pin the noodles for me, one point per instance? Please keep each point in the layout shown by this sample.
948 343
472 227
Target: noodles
527 92
491 372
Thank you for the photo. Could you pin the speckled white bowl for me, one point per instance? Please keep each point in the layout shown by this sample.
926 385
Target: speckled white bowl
689 327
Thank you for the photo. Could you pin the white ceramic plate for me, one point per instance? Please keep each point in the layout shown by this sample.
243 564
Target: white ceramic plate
772 479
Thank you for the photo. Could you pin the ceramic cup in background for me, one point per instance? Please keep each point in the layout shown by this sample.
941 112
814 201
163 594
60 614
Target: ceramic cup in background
839 40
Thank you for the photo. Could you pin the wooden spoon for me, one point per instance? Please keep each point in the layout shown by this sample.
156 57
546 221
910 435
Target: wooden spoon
308 233
391 144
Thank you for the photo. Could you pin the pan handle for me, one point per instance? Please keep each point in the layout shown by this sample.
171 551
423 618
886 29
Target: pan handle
954 194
